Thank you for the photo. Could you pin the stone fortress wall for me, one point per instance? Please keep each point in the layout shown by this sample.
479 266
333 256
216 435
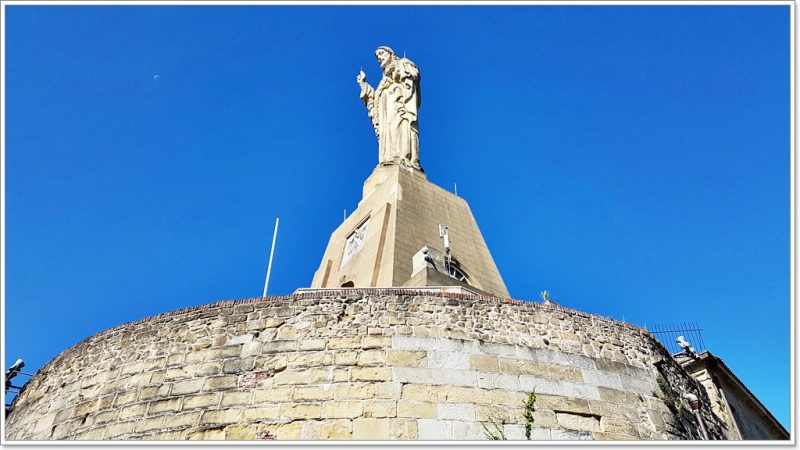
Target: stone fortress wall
366 364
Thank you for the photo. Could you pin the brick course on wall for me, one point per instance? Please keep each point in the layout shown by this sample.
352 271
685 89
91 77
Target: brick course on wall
364 364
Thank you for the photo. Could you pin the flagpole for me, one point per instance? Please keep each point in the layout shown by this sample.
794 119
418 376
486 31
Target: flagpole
271 252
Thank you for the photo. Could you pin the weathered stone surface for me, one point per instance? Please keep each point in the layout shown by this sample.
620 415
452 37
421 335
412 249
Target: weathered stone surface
371 374
342 409
618 426
301 410
456 411
491 380
164 405
302 393
562 404
409 358
416 409
260 414
543 385
435 430
329 430
403 429
571 435
393 367
380 408
361 390
239 433
578 422
371 429
279 431
484 363
619 396
524 367
600 378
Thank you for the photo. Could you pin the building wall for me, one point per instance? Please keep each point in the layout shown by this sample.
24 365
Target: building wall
744 416
361 364
717 402
404 211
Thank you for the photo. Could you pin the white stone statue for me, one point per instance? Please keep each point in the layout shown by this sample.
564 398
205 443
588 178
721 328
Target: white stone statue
393 108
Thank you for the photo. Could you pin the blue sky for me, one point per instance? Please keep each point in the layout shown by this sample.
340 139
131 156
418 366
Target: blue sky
634 161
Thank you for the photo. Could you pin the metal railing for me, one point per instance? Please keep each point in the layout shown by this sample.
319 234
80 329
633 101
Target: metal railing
667 334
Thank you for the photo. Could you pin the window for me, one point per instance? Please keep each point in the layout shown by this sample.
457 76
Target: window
456 273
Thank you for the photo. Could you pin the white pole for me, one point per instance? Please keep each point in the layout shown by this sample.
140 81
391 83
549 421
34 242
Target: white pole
271 252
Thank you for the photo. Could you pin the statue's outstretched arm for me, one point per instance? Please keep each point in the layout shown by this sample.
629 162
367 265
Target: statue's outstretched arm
368 97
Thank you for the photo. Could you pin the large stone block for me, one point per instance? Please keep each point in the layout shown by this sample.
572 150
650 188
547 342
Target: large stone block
303 393
484 363
601 378
408 358
310 359
517 433
448 360
416 409
548 356
201 400
239 433
328 430
380 408
403 429
435 430
493 380
281 431
619 396
618 426
354 390
236 399
173 404
414 343
370 342
272 395
571 435
217 383
371 358
456 411
262 413
578 422
562 404
388 389
301 410
371 429
220 416
187 387
542 385
342 409
525 367
371 374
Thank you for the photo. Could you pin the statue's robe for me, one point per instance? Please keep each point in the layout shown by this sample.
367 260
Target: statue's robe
393 108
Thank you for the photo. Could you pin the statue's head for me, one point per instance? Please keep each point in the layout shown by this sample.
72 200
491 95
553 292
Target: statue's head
385 55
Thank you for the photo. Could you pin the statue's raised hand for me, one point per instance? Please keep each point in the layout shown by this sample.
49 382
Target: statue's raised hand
362 77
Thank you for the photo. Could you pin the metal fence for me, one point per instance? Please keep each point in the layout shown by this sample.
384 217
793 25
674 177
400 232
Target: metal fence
668 333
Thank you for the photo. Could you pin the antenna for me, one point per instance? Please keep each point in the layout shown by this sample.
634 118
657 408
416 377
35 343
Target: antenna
271 252
446 237
455 188
345 215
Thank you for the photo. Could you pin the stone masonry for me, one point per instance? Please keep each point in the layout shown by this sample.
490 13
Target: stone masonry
362 364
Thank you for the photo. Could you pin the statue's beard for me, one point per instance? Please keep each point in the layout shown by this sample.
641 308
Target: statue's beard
386 64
